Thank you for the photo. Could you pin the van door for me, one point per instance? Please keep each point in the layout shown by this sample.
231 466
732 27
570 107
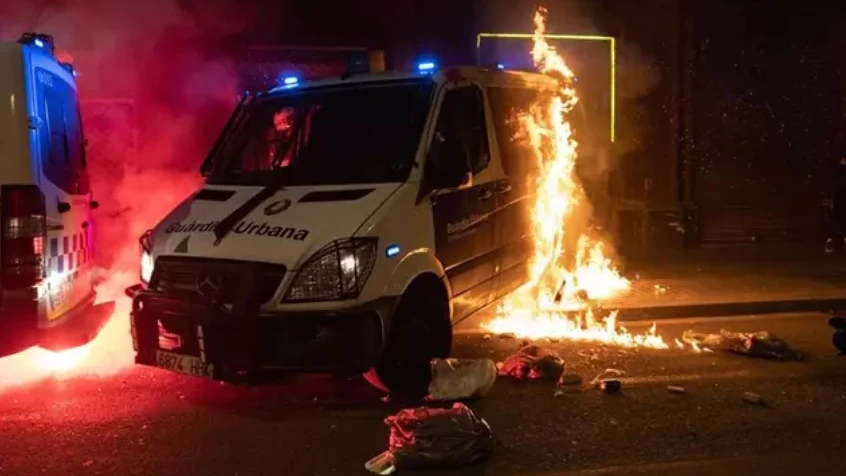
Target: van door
63 179
514 188
463 222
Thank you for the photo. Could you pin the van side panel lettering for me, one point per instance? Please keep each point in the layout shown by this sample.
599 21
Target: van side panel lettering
241 227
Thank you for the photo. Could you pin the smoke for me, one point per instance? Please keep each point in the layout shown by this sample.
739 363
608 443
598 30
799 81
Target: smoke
156 84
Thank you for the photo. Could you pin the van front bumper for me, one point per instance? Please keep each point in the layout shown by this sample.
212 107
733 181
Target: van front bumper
256 347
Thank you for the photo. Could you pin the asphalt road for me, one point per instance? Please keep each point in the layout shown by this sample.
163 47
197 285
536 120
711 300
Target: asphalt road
149 422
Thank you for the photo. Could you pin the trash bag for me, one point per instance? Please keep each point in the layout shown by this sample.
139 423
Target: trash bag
753 344
454 379
433 438
533 362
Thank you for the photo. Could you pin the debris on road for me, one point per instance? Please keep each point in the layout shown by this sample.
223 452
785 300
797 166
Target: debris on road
433 438
606 372
561 391
610 385
532 362
675 389
507 335
753 344
753 398
839 337
570 379
456 379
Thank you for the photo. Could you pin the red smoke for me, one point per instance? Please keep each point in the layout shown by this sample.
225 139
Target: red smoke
156 85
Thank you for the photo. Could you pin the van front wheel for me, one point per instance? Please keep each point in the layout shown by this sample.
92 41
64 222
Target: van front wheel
420 331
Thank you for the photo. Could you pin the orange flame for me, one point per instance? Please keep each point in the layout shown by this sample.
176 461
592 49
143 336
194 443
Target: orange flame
556 300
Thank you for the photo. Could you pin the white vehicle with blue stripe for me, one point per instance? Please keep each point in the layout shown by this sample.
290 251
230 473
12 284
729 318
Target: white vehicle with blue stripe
46 285
346 224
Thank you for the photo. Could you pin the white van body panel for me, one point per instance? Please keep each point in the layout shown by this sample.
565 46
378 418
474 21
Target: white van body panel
69 270
408 225
303 228
27 70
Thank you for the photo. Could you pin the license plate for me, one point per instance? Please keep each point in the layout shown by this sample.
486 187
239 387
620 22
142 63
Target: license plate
186 364
58 299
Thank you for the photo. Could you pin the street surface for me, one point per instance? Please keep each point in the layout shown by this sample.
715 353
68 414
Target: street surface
149 422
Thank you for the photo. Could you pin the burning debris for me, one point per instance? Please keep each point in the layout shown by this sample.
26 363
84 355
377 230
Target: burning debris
566 280
753 344
433 438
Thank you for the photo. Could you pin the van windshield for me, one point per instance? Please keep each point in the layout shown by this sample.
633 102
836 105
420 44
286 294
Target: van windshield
338 135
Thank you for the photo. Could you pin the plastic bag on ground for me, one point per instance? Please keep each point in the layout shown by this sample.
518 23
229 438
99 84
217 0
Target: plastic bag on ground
533 362
456 379
433 438
752 344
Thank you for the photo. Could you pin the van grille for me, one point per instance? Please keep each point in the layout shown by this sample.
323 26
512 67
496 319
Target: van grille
219 280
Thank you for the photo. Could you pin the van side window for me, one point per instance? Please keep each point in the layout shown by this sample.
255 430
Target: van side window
62 140
462 116
518 158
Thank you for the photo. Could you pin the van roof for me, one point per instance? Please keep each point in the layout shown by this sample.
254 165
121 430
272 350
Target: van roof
482 75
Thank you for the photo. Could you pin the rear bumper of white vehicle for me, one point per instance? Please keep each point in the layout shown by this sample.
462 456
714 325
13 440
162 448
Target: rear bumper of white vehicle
245 346
19 325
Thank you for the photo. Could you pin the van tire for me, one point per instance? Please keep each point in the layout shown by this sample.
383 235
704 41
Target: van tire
420 331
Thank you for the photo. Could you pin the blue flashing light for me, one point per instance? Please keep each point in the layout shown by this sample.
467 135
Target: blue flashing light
500 66
38 42
392 251
290 80
426 67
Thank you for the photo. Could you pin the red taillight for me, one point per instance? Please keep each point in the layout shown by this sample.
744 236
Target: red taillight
24 228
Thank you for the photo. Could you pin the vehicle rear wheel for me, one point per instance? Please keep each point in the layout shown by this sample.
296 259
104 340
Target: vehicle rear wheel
420 331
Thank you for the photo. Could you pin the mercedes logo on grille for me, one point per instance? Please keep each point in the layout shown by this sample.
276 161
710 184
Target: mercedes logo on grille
209 285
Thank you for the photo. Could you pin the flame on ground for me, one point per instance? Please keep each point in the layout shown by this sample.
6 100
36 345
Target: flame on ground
556 301
109 353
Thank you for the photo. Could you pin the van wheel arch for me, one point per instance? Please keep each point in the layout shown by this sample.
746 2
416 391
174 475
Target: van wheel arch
419 330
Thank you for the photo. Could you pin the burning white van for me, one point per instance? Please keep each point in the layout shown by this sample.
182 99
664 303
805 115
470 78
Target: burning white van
345 225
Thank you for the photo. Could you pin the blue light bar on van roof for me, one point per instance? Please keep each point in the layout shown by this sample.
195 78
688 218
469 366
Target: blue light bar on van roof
500 66
426 67
290 80
39 40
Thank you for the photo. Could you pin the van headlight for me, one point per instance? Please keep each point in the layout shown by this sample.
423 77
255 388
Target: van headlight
335 272
147 263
